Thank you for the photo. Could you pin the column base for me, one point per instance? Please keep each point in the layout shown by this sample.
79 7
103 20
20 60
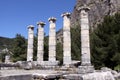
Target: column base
72 63
52 59
27 65
85 69
67 61
47 64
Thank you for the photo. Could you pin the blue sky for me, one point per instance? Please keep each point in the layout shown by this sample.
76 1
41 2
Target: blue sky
16 15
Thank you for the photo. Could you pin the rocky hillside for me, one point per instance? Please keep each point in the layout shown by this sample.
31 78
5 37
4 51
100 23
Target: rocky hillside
5 43
98 9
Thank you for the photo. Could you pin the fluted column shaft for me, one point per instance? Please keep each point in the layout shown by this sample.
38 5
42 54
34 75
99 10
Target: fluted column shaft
52 39
85 41
66 39
40 46
30 43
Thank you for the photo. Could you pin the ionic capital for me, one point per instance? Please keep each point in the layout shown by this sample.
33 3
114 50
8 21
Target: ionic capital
85 7
52 19
66 14
30 27
41 24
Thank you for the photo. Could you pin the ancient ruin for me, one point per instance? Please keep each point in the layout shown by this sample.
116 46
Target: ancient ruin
66 39
52 39
46 70
30 43
40 47
85 41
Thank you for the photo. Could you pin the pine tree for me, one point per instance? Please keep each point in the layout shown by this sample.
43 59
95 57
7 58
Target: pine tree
75 42
104 42
19 48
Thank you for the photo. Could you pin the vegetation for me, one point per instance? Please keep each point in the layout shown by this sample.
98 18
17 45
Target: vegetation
5 42
46 48
59 52
19 48
105 45
75 42
35 48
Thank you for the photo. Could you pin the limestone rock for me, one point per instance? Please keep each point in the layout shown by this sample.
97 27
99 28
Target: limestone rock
27 65
17 77
98 76
117 76
104 69
98 9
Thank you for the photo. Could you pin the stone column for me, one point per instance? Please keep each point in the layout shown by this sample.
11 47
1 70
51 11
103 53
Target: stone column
7 58
66 39
85 41
7 55
52 39
40 46
30 43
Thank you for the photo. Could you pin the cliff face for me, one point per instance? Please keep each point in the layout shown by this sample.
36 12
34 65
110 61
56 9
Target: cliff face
98 9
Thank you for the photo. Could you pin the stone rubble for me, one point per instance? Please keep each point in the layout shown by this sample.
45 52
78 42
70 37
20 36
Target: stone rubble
46 70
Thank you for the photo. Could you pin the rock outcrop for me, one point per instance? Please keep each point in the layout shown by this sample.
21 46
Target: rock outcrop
98 10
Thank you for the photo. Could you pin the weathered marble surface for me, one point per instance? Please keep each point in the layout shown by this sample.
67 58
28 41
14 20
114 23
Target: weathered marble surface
28 74
85 41
98 76
66 39
7 58
17 77
55 74
91 76
30 43
52 39
85 69
40 44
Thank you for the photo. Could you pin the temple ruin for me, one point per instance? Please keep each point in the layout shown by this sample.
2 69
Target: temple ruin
45 70
67 61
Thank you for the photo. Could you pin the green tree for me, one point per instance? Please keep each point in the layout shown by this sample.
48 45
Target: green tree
75 42
59 52
2 57
46 48
35 48
19 48
105 46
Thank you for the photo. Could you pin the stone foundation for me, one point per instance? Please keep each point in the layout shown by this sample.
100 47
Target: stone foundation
48 64
73 77
85 69
25 64
37 65
17 77
90 76
55 75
